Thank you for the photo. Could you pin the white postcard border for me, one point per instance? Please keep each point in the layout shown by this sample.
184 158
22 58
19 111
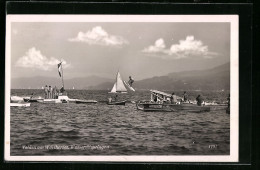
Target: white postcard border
234 86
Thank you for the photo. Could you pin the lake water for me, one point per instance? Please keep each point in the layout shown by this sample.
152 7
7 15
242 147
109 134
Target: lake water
101 129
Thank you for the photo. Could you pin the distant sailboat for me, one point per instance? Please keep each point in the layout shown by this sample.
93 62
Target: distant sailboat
119 86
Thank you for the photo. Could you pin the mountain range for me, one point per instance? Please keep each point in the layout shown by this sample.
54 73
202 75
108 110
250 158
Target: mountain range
217 78
39 82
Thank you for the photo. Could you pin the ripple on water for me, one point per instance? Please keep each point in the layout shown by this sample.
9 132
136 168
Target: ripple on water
123 128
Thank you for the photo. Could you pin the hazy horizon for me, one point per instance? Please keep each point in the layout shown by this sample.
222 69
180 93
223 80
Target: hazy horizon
113 77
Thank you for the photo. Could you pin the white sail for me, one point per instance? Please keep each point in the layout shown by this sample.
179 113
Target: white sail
120 87
114 89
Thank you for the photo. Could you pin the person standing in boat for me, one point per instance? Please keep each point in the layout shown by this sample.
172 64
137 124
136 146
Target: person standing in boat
50 92
46 92
173 98
54 92
130 81
199 100
57 92
185 96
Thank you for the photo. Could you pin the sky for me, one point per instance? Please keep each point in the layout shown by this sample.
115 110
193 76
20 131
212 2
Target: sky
142 50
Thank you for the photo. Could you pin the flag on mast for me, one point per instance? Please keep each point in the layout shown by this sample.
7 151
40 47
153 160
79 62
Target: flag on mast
59 68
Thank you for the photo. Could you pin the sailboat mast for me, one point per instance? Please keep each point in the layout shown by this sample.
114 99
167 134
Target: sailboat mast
62 76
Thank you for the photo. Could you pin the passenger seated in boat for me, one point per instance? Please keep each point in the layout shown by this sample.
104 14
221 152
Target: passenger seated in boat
130 81
109 100
115 98
31 96
173 99
155 99
199 100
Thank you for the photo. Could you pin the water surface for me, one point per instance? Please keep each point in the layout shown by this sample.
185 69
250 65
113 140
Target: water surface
100 129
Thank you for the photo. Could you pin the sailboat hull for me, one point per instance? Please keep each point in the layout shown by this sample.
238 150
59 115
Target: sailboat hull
117 92
117 103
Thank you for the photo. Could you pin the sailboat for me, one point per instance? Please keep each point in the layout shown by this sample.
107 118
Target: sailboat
118 87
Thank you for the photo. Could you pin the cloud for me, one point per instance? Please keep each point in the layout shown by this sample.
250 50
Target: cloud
184 49
159 46
34 59
98 36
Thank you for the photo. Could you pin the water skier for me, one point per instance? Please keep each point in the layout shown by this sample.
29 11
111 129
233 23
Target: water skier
130 81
